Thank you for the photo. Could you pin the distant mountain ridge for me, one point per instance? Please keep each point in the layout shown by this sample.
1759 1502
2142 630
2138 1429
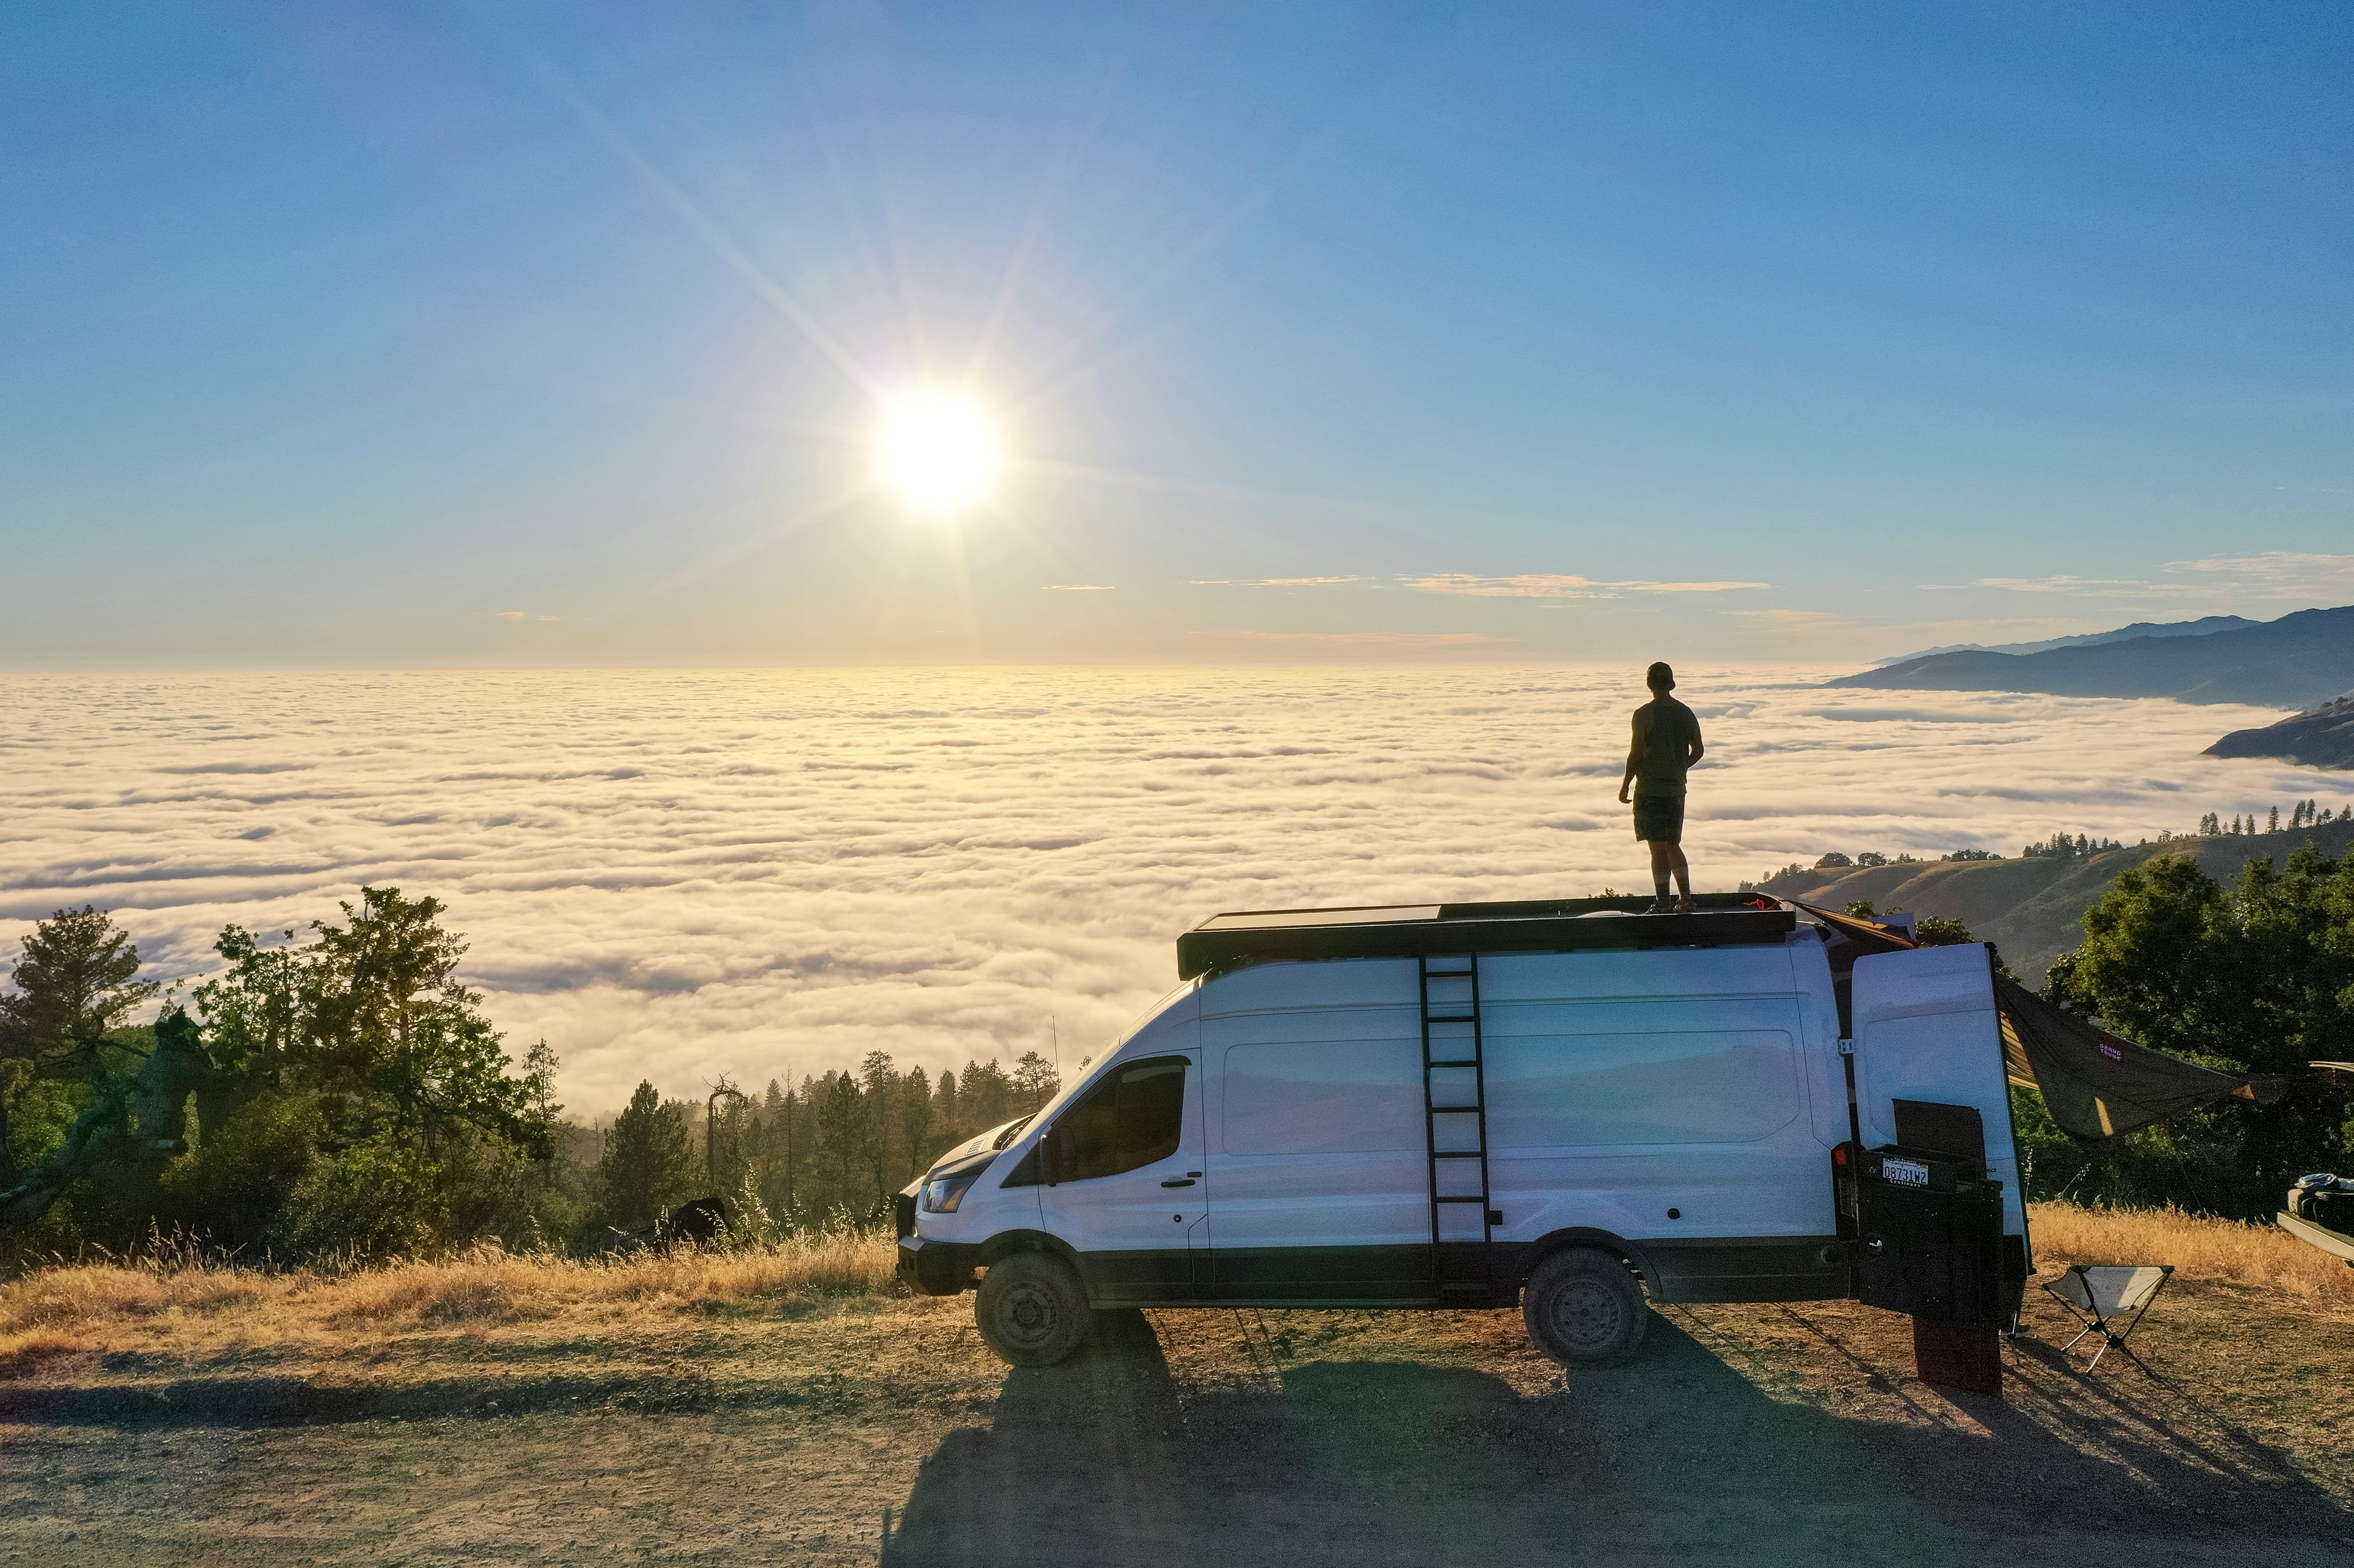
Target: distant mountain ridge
2203 626
2322 739
2297 661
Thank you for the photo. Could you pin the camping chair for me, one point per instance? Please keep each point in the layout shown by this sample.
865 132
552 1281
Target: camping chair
2099 1294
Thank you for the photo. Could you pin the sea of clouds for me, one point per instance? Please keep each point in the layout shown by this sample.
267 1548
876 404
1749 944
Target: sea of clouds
676 874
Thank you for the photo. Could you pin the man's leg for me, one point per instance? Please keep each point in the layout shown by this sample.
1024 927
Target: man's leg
1662 849
1682 869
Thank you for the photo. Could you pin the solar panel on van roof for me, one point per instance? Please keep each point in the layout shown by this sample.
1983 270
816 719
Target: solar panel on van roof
1269 919
1231 940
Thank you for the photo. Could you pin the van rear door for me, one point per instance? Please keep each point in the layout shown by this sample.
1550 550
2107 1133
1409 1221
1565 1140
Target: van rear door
1926 1033
1926 1029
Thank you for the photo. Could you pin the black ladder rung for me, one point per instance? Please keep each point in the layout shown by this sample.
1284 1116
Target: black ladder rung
1458 1154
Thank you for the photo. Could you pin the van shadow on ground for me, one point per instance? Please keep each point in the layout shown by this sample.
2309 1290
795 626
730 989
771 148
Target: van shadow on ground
1676 1457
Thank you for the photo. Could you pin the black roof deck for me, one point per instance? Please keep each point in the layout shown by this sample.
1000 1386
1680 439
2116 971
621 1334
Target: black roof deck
1412 930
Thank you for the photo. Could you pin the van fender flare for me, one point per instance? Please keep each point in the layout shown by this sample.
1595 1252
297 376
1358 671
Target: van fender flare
1569 1236
1004 1244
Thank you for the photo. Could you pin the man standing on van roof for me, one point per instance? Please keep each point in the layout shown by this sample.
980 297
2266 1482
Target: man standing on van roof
1667 742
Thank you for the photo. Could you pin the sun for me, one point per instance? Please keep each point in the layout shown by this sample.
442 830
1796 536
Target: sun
939 452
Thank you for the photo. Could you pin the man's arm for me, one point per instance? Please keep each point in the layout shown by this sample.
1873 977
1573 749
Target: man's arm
1698 750
1633 756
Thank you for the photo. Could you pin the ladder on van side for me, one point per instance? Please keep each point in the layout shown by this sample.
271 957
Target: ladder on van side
1455 1121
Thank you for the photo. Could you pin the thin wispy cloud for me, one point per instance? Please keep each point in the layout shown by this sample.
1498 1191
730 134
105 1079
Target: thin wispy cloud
521 615
1371 639
1553 585
1077 588
1271 582
2285 573
2090 588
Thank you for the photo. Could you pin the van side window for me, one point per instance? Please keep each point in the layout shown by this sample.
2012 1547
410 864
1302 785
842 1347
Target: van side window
1132 1118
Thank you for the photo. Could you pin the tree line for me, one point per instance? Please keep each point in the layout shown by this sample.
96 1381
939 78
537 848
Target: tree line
831 1149
343 1095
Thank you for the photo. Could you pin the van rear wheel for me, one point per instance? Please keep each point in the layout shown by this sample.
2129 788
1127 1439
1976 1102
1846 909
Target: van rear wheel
1584 1309
1032 1310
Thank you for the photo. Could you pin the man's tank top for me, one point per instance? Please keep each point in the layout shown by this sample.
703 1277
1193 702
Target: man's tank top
1665 748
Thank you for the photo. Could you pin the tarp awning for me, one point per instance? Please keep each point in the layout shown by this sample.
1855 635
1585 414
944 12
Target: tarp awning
2097 1085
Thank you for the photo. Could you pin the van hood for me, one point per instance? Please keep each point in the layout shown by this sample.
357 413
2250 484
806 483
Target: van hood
996 1137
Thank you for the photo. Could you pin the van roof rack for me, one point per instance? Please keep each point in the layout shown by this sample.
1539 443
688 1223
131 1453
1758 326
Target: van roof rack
1232 940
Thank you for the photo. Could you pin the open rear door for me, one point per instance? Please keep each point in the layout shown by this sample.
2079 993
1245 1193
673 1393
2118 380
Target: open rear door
1926 1029
1940 1224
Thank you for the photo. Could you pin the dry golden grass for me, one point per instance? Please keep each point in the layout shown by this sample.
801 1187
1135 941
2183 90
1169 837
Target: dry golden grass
76 1307
203 1306
2199 1248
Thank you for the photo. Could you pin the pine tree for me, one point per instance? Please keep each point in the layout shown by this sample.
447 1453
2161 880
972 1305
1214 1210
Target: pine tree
2272 823
946 1110
649 1161
1034 1081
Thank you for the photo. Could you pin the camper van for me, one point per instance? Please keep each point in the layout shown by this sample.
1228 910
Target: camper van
1570 1106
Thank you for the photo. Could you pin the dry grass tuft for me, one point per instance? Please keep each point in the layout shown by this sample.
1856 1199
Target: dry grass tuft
2199 1248
52 1311
22 1353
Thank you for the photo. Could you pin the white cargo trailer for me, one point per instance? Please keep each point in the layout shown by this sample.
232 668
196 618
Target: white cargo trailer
1569 1105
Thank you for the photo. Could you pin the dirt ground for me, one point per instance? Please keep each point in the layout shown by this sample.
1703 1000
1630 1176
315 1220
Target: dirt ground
881 1431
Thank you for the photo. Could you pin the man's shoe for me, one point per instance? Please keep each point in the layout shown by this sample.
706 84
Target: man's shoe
1661 906
1684 905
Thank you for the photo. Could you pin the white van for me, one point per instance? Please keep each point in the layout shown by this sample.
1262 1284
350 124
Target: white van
1567 1104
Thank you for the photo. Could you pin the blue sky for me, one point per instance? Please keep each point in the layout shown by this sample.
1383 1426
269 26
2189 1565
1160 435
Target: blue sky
423 335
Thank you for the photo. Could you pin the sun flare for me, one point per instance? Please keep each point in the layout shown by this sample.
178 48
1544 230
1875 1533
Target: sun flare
939 452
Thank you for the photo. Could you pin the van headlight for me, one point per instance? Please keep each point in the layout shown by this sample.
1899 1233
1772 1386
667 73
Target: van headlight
944 1189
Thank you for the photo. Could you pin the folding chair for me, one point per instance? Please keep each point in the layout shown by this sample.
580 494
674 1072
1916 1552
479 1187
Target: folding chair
2099 1294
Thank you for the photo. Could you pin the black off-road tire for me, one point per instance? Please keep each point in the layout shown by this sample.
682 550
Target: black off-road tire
1584 1309
1032 1310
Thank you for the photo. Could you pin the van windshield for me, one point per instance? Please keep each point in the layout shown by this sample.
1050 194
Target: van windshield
1092 1064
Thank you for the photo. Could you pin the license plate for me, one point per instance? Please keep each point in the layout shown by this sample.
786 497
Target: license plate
1904 1172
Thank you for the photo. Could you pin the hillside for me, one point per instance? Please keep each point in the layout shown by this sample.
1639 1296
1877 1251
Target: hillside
2322 739
2205 626
2032 909
2295 662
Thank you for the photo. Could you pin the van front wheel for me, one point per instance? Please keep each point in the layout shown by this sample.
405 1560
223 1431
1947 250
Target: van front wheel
1032 1310
1584 1309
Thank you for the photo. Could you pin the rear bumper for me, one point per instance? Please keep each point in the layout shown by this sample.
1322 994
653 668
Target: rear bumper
937 1268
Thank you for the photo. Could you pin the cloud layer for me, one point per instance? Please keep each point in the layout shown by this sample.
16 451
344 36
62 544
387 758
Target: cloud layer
675 875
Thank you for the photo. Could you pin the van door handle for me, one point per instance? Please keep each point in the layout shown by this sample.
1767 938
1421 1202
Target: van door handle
1182 1182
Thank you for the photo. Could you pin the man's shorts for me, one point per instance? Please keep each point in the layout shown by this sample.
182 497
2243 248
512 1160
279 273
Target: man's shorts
1659 819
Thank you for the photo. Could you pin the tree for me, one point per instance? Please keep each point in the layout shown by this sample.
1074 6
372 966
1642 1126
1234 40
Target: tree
1871 858
1034 1081
391 1029
986 1092
77 981
878 1140
649 1161
540 1106
2255 977
842 1132
915 1106
1832 861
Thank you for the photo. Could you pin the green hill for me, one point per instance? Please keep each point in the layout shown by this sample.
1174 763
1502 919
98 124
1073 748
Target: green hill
2032 909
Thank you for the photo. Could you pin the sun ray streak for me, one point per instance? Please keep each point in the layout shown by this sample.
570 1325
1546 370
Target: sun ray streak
560 86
